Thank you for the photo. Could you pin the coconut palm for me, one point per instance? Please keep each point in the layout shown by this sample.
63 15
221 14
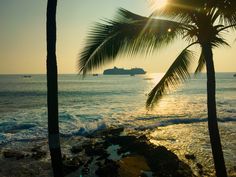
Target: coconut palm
52 92
198 22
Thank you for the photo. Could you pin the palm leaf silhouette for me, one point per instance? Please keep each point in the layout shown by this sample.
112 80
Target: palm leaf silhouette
178 72
129 34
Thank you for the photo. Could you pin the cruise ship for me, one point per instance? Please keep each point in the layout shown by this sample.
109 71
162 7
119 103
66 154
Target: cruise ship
122 71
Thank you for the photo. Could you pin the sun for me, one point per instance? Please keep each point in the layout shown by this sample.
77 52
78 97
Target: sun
157 4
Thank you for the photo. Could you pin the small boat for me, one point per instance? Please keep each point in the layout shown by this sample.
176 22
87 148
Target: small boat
95 74
148 78
27 76
132 74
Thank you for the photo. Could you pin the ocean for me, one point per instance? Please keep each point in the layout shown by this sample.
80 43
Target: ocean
179 121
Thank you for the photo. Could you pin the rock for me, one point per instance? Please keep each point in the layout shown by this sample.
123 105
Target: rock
143 175
96 150
115 131
108 169
76 149
38 153
70 165
13 154
143 138
85 170
133 166
190 156
121 140
161 161
64 157
199 166
36 148
108 132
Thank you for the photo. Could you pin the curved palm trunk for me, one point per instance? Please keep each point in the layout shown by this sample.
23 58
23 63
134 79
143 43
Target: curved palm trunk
212 117
52 92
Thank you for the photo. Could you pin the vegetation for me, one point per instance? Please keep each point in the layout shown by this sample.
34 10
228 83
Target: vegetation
199 22
52 96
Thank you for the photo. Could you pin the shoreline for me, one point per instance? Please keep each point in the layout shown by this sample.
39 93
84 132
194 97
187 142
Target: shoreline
104 142
99 154
95 150
127 153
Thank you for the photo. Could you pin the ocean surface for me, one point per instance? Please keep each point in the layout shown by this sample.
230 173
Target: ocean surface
179 121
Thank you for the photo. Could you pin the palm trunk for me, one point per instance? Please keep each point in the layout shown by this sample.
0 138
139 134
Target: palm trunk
52 96
212 117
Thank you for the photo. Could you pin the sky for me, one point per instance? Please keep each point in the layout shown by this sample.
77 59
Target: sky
23 37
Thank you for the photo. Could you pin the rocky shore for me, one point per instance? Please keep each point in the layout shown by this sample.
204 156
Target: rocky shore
105 153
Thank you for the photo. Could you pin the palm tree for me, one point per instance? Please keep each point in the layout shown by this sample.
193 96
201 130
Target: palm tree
199 22
52 96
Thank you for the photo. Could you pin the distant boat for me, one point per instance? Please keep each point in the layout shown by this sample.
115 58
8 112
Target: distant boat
95 74
148 78
122 71
27 76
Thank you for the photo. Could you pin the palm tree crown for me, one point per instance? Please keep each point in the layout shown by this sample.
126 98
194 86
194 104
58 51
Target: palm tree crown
196 21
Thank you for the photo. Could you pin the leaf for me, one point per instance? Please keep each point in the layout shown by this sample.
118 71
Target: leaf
177 73
127 34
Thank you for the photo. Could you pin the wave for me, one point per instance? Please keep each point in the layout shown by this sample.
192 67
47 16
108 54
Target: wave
7 127
22 93
163 123
86 129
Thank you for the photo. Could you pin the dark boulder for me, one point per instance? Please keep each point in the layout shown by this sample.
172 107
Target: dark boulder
108 169
13 154
190 156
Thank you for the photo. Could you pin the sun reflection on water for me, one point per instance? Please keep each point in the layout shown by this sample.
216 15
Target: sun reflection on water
194 139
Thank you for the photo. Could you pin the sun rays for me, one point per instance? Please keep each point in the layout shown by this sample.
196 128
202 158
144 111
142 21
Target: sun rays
158 4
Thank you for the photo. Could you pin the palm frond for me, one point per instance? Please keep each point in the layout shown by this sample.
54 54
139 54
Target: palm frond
187 10
226 11
201 64
184 10
219 41
178 72
129 34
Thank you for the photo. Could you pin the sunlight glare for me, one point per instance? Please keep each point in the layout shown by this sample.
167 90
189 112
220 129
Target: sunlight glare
159 3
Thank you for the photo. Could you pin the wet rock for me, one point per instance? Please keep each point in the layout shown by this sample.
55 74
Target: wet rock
13 154
200 168
38 153
76 149
143 175
121 140
70 165
143 138
115 131
108 132
108 169
96 150
190 156
133 165
64 157
161 161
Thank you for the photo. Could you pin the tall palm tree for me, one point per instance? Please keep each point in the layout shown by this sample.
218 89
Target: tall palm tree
52 92
199 22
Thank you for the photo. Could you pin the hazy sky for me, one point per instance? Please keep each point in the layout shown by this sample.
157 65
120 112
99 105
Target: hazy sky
23 37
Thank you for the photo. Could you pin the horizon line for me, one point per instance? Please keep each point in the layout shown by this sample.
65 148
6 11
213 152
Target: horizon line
99 73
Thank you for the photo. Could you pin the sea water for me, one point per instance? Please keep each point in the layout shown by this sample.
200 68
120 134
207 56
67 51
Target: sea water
179 121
